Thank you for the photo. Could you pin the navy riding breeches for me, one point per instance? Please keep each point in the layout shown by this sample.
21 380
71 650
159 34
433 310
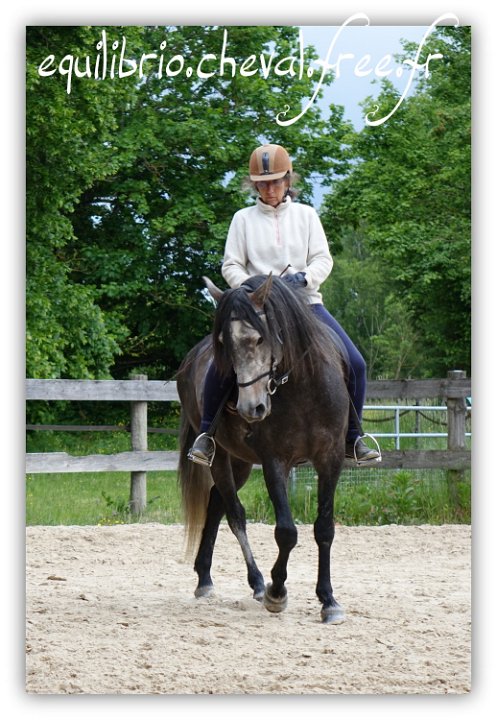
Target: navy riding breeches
356 384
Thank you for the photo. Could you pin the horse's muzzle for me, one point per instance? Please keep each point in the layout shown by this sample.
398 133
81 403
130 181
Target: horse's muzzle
254 413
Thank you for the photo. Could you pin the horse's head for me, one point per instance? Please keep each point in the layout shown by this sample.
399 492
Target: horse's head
242 340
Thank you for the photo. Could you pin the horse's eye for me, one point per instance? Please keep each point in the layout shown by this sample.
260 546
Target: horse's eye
259 341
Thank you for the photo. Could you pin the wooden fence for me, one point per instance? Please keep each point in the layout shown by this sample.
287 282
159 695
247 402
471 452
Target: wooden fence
139 391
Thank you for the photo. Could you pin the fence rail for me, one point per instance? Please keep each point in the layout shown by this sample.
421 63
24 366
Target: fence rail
139 391
60 462
102 390
164 391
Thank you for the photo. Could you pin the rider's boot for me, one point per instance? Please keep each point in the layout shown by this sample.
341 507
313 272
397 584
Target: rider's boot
203 450
360 452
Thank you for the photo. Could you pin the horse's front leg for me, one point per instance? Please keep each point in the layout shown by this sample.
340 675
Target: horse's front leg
324 533
214 514
226 486
285 533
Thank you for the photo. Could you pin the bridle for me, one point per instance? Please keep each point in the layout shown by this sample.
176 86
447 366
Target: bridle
274 381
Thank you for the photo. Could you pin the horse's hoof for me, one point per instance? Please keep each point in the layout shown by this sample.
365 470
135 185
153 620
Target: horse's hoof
333 614
274 604
204 591
259 595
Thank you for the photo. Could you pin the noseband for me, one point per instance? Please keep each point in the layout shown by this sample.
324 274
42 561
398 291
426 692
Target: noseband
273 383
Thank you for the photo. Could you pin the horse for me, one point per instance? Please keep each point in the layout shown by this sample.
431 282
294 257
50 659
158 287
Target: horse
292 407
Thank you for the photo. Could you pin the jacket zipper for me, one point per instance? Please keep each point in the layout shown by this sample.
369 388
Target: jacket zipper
278 237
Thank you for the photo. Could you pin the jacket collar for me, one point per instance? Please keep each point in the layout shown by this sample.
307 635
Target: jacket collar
270 210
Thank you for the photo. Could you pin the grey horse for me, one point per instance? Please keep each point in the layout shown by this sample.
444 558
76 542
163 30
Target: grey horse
290 405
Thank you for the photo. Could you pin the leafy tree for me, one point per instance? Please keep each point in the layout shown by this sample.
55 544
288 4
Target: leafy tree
359 293
409 197
132 185
69 146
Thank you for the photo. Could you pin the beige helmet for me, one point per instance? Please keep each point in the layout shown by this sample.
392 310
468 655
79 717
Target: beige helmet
269 162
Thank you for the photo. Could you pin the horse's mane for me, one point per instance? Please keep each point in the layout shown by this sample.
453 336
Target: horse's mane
291 327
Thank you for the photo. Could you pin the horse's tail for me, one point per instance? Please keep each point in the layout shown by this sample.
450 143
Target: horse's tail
195 482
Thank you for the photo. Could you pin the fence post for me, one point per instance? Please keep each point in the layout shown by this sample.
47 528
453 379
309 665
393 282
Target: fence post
138 492
456 435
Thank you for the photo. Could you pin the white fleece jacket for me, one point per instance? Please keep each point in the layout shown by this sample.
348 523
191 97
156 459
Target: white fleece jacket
263 239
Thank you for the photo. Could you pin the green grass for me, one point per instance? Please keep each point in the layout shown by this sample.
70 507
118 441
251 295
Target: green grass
98 499
395 497
405 498
92 443
102 499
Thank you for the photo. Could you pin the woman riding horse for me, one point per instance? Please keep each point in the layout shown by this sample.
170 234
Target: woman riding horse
280 236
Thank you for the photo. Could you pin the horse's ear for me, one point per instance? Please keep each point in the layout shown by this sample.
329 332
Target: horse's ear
259 296
214 291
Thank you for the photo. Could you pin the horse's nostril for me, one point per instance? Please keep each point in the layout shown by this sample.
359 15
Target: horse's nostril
260 410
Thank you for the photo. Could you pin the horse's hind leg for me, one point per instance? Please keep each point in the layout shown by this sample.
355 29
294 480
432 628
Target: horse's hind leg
324 532
203 560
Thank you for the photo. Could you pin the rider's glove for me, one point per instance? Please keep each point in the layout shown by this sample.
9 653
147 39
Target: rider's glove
297 279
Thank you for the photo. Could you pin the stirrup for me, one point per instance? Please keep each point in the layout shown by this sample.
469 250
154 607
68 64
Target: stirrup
202 460
363 462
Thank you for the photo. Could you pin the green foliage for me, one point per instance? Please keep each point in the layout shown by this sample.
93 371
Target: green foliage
70 144
360 295
131 185
408 198
131 188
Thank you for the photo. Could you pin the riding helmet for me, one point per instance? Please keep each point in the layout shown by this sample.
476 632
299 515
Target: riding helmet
269 162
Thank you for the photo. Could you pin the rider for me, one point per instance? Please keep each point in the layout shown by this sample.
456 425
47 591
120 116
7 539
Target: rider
280 236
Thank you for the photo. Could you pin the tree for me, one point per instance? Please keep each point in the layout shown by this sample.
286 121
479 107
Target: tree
143 178
359 294
409 196
69 146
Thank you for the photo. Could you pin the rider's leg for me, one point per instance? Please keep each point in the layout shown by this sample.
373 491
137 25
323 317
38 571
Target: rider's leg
356 386
216 388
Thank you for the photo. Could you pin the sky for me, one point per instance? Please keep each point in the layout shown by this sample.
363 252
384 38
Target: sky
352 84
360 54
